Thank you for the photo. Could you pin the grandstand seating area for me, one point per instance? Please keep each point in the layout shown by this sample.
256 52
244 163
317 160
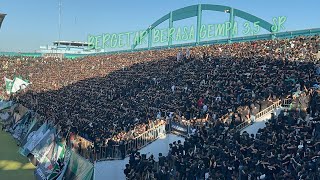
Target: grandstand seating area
287 148
112 98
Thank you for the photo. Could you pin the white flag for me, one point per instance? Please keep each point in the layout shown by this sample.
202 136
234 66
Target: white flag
18 84
8 83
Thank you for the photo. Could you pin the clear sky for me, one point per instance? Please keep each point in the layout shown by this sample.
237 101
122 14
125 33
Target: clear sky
32 23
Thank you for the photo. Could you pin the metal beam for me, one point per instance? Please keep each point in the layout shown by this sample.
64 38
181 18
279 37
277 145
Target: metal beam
149 37
2 16
170 26
231 20
196 10
199 18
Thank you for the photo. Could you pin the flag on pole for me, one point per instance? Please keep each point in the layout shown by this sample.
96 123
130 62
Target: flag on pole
15 85
19 84
8 83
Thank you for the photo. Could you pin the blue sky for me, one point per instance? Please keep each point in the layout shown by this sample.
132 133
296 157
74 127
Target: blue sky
32 23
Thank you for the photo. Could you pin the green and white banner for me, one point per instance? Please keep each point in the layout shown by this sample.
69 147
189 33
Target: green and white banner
44 150
79 168
15 85
60 155
8 83
52 160
34 126
34 138
5 105
19 84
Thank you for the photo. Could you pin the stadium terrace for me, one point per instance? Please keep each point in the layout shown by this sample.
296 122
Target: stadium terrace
240 108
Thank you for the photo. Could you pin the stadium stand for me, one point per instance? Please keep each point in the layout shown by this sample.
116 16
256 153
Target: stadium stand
287 148
111 99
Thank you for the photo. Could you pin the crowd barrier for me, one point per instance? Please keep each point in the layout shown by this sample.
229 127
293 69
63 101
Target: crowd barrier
86 147
286 103
119 150
283 103
268 110
180 129
185 127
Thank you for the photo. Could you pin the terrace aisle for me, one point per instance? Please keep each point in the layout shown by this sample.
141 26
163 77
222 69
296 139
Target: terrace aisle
114 169
253 129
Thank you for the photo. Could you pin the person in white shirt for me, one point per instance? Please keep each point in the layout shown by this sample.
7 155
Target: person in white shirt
214 116
206 175
186 89
173 87
171 115
188 53
204 108
159 115
179 55
253 94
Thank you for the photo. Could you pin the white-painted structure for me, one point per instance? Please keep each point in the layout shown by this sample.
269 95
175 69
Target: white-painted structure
113 170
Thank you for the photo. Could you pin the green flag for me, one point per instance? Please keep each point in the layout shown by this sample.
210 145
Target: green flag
18 84
79 168
8 83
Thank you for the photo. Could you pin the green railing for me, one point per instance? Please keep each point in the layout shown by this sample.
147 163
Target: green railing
280 35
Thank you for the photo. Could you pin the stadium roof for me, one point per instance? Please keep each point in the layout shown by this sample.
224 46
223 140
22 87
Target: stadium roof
70 43
1 18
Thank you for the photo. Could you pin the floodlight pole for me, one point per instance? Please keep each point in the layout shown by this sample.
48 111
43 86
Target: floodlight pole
60 4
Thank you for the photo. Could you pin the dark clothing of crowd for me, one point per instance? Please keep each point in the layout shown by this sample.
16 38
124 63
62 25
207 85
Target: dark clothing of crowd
104 98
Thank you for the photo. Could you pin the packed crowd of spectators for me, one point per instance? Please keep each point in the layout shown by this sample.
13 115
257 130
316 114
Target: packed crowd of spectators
287 148
102 96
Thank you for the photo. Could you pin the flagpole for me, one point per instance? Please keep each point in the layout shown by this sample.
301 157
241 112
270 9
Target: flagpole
60 14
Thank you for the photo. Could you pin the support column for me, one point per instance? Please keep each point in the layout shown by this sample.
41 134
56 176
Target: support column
231 20
199 17
170 26
149 37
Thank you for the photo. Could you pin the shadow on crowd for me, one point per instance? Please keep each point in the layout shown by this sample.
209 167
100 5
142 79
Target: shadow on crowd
102 107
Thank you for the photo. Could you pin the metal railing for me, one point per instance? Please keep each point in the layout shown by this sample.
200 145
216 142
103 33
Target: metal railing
120 150
268 109
286 103
261 114
184 127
